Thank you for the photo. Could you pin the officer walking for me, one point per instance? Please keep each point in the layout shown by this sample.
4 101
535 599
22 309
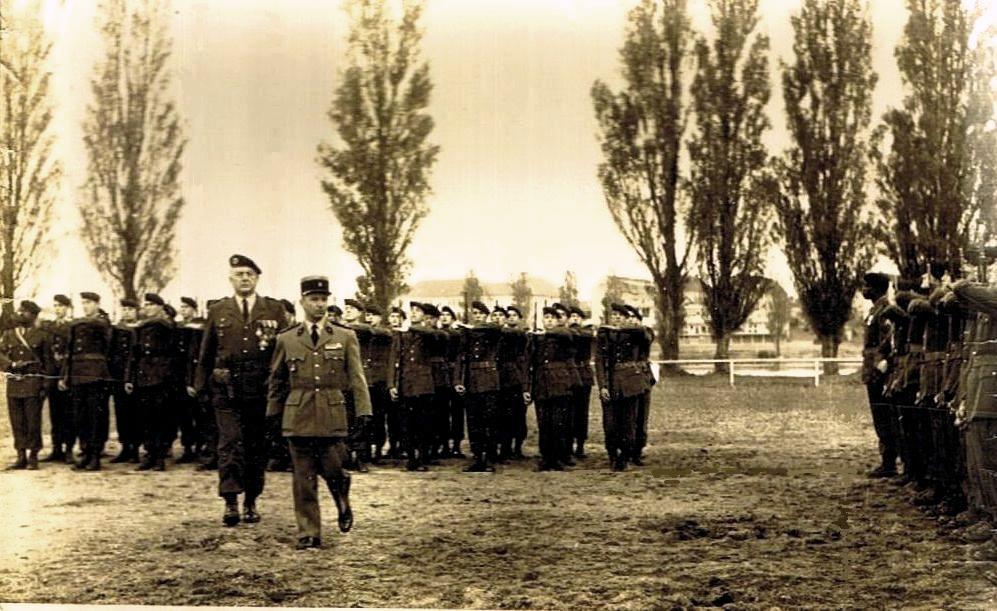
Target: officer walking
26 357
313 365
85 376
233 366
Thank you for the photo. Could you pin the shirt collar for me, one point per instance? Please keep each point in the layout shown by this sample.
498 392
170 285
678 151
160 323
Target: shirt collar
250 301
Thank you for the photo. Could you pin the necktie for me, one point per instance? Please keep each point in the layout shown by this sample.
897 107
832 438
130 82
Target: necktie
314 334
245 309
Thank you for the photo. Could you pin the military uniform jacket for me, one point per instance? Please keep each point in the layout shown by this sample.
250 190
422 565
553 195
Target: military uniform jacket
513 358
584 340
442 379
307 381
876 345
88 347
980 392
552 364
58 331
122 338
26 354
617 364
189 337
898 317
455 344
479 356
410 369
375 350
154 354
236 353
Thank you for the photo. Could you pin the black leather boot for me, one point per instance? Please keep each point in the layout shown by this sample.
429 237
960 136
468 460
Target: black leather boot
21 462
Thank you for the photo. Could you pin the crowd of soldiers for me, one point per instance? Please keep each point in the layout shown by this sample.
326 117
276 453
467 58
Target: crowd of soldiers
205 380
930 368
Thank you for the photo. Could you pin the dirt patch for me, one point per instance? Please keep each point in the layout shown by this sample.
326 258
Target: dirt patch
752 497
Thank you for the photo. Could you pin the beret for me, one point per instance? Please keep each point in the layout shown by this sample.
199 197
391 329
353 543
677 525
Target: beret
30 306
500 310
243 261
189 301
129 303
448 310
373 309
170 310
431 310
515 309
90 296
353 303
550 310
288 306
315 285
577 310
876 280
63 300
154 298
632 311
480 307
559 306
399 311
334 309
620 308
417 304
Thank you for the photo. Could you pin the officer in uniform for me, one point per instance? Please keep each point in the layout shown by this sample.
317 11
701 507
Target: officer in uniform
125 415
26 358
233 366
86 376
314 364
875 364
897 388
375 368
513 374
479 383
553 376
410 383
455 419
60 404
621 383
581 394
151 380
644 339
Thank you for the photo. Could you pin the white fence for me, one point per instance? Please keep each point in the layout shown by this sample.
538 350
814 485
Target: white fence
814 370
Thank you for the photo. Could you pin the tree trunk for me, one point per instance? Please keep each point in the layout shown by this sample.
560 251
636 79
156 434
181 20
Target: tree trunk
7 279
669 326
778 344
829 349
722 351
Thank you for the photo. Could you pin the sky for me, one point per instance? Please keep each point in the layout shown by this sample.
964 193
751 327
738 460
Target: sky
514 187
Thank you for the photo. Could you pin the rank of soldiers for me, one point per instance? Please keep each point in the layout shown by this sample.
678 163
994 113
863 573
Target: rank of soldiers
930 369
247 388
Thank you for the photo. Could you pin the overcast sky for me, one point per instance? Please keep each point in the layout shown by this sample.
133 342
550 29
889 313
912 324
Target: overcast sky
514 186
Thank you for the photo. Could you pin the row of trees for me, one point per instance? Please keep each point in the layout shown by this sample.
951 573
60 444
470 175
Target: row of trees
690 184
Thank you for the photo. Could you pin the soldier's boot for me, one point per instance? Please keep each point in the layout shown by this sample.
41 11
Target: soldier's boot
273 465
189 455
479 465
56 455
21 462
124 455
620 464
82 463
231 515
148 462
68 456
160 464
457 453
378 455
361 464
341 495
93 464
580 450
882 471
210 465
249 513
33 460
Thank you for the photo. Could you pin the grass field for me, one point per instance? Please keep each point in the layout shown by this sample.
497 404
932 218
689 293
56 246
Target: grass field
753 497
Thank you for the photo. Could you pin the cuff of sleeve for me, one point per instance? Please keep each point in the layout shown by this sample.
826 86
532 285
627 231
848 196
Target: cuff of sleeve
274 408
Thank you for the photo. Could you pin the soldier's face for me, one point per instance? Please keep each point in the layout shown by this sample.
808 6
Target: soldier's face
24 318
350 313
150 310
550 321
498 318
314 305
479 316
374 319
575 319
633 321
615 318
129 314
430 321
446 319
514 319
243 280
186 311
89 307
60 310
416 314
394 319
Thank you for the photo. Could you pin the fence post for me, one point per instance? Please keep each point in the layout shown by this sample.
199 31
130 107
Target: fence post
730 369
816 372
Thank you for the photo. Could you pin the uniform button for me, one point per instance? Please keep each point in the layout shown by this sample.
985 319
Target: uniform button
317 378
316 364
314 353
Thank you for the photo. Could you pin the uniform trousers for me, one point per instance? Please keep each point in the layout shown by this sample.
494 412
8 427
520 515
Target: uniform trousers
416 424
62 418
156 418
126 418
313 457
643 416
380 402
553 427
580 397
979 438
91 416
441 417
187 416
457 411
509 403
26 422
909 434
620 426
482 412
885 423
242 457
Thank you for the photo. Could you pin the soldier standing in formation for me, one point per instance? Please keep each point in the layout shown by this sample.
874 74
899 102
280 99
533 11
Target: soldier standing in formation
125 410
455 401
205 430
410 384
513 374
581 395
439 413
622 383
644 339
553 376
478 382
356 444
375 365
60 406
874 367
314 364
26 357
233 366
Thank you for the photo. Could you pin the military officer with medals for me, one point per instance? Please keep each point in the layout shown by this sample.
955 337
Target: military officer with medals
26 359
314 364
478 382
86 376
233 366
126 417
410 383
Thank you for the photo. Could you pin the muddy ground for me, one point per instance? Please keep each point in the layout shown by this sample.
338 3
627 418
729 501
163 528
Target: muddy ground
752 497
